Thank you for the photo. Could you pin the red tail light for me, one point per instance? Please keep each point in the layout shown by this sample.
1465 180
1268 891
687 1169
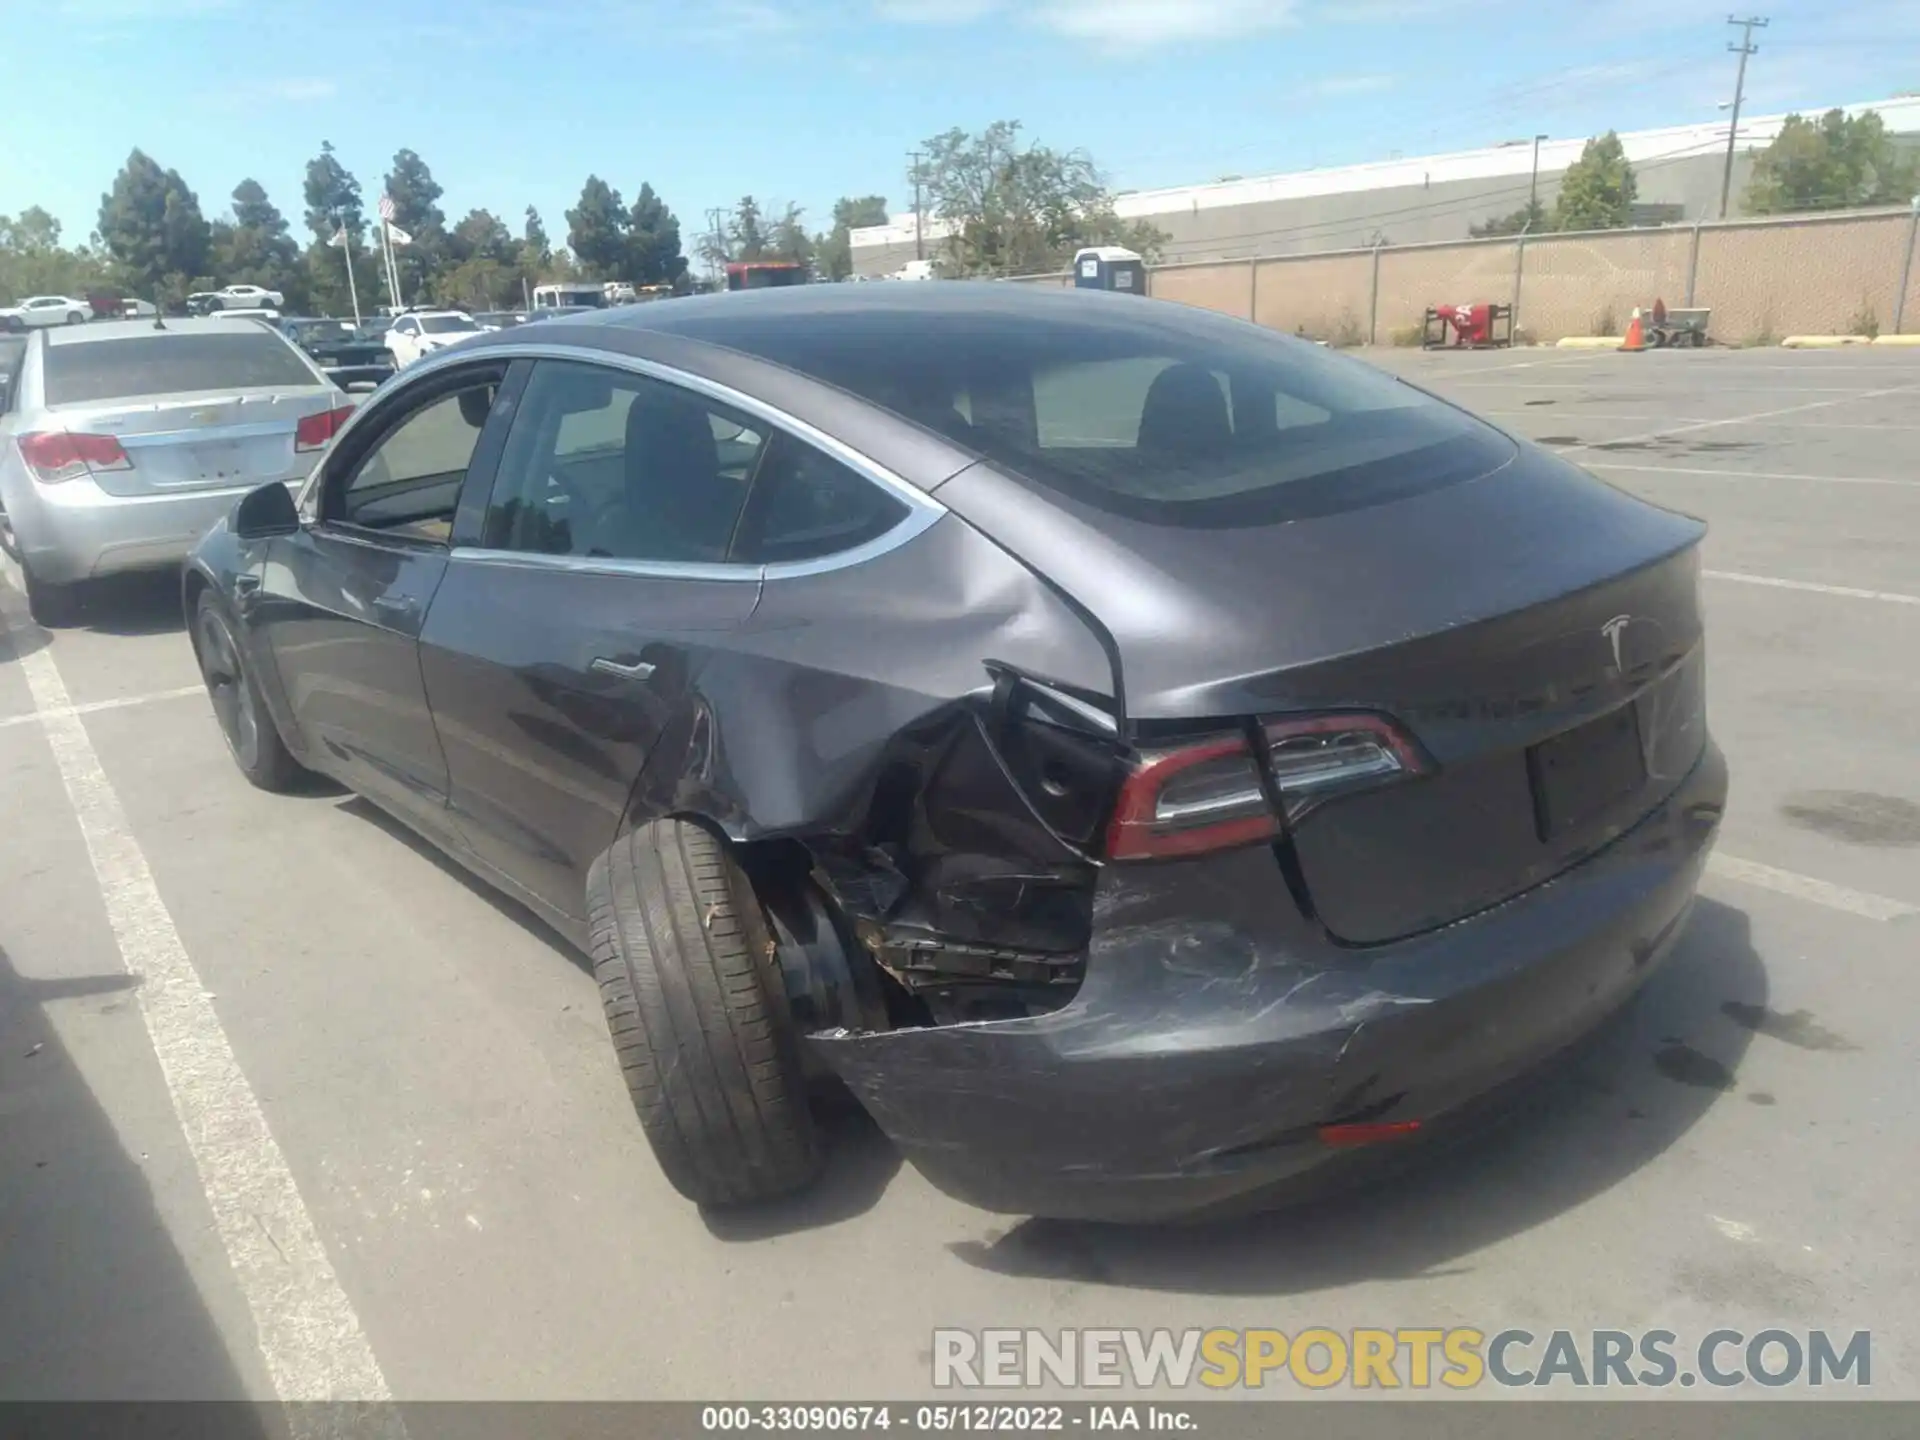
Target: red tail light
1210 795
1314 757
56 455
1188 801
316 431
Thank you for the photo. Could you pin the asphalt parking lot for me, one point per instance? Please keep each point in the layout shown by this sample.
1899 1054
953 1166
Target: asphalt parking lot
404 1162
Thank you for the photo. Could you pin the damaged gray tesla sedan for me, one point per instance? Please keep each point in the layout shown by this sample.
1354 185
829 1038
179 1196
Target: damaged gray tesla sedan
1140 756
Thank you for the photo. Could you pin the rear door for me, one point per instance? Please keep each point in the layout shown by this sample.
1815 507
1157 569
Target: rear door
343 601
569 638
191 409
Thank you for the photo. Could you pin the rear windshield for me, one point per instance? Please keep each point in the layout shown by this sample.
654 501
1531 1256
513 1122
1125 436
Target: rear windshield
445 324
164 364
1172 419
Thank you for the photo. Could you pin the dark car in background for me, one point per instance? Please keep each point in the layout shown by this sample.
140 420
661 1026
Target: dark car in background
1145 759
348 355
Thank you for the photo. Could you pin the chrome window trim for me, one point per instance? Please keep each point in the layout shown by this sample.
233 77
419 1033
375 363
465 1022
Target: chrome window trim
923 511
605 565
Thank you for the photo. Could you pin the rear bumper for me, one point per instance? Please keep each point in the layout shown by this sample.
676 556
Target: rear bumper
76 531
1213 1036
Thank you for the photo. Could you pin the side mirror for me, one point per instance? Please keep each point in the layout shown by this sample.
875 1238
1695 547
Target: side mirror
265 512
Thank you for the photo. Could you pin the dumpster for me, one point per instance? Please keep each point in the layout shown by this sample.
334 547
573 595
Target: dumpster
1108 267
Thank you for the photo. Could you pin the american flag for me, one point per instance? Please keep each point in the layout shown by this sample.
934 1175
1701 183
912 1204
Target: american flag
386 207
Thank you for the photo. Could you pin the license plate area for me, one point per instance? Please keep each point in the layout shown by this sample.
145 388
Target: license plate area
1581 774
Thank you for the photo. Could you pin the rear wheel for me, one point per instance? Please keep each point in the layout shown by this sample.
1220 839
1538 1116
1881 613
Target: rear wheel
699 1018
53 606
245 721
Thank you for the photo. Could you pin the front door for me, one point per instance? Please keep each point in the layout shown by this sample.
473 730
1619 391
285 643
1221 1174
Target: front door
343 601
569 638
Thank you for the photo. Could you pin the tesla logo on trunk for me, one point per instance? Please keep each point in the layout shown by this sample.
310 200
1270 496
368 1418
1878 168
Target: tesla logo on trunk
1612 631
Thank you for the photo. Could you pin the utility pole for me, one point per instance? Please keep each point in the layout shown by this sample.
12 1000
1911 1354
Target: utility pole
1533 185
1745 48
714 217
919 230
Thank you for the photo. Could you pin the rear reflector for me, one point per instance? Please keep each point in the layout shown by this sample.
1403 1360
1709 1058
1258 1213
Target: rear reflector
316 432
1188 801
1368 1134
56 455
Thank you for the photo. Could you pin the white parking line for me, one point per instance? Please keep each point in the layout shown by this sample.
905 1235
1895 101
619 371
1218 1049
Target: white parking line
1848 592
1724 474
92 707
1805 887
309 1335
1546 416
1665 431
1718 387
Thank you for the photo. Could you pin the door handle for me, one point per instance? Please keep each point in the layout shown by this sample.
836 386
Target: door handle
639 670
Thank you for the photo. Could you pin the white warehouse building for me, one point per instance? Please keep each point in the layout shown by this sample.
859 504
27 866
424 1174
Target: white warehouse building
1426 198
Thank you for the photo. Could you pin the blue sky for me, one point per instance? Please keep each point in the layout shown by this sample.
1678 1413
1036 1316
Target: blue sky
513 103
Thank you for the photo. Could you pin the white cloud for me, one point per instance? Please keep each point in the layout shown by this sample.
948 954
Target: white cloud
1116 25
1131 24
1338 85
934 12
310 87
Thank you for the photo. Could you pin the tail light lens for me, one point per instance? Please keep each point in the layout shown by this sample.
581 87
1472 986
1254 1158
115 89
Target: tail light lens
1211 796
316 431
1189 801
1315 757
56 455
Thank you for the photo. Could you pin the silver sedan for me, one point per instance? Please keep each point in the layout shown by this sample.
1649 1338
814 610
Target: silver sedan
121 442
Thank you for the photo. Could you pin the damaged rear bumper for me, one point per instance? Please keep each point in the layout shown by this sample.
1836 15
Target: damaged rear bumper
1217 1029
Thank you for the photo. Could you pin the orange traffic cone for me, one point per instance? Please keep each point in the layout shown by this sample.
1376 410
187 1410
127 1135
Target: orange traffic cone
1636 337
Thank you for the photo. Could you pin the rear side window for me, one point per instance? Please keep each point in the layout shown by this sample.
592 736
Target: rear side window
80 373
806 506
1153 412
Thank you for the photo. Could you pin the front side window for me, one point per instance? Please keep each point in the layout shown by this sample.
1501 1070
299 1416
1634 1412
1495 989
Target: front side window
608 465
409 483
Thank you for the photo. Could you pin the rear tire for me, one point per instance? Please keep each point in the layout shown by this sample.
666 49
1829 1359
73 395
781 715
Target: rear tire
699 1017
246 724
53 607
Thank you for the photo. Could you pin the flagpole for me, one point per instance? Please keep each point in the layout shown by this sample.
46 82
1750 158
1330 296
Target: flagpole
353 289
393 275
393 259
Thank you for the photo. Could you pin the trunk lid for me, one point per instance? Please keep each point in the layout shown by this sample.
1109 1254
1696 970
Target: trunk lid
1536 631
202 441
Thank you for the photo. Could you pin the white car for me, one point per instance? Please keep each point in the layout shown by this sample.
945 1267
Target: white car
249 297
419 333
38 310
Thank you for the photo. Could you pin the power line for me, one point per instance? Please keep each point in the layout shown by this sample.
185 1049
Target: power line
1745 48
